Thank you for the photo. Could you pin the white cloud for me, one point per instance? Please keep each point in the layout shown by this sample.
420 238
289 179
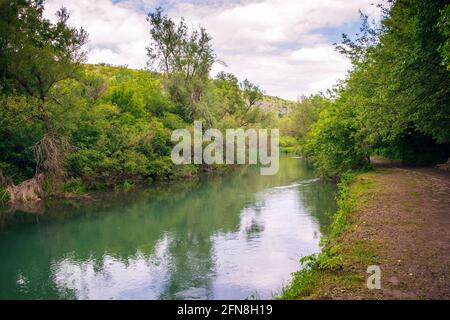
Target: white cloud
291 74
273 22
278 44
118 33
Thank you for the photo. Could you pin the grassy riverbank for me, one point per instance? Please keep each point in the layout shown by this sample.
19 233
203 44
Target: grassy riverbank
340 260
392 217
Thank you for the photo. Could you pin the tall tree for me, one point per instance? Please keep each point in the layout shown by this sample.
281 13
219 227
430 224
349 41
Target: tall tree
37 54
184 57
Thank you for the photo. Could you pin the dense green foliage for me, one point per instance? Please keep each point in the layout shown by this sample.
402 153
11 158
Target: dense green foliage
99 126
104 126
396 100
36 55
296 124
444 28
120 127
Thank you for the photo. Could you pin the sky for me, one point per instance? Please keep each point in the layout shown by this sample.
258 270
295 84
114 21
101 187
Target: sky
284 46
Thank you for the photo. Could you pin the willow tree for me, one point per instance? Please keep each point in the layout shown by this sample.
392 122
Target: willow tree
184 57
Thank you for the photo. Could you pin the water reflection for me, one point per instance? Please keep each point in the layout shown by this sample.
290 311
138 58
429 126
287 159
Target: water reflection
224 237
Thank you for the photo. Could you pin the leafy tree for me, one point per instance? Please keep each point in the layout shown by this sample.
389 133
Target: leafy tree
252 93
185 58
396 99
333 143
167 39
444 28
367 38
231 98
37 54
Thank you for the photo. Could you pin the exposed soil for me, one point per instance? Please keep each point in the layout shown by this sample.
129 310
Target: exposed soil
406 219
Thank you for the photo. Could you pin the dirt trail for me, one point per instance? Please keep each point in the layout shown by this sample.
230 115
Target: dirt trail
407 218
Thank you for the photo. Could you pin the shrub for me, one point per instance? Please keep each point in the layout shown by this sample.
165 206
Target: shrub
4 196
75 186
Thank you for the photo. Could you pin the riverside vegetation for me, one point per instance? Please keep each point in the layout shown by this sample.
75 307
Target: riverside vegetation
67 127
394 103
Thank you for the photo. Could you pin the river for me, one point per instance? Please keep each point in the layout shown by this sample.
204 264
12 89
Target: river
236 236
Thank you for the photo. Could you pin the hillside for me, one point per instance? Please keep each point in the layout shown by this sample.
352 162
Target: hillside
275 104
112 128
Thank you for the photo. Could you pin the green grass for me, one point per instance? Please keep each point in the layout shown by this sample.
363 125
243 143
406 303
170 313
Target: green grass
4 196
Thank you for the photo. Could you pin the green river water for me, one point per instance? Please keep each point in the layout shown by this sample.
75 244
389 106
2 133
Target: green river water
237 236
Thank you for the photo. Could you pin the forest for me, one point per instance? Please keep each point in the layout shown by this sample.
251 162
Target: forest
67 127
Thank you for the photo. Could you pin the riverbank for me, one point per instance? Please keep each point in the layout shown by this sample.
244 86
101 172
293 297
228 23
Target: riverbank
74 189
394 217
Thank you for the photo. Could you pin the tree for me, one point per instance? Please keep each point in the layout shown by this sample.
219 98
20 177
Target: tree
305 113
184 57
37 54
416 74
167 40
396 100
230 94
252 93
333 143
368 37
444 28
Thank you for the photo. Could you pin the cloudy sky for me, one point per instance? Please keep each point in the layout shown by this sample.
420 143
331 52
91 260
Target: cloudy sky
285 46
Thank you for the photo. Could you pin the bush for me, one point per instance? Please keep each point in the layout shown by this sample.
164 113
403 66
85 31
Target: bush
289 145
4 196
127 186
74 186
334 144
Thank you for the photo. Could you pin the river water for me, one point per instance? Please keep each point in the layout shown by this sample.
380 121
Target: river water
237 236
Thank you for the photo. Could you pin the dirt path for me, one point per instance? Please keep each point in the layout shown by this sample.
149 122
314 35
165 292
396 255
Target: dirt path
406 217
